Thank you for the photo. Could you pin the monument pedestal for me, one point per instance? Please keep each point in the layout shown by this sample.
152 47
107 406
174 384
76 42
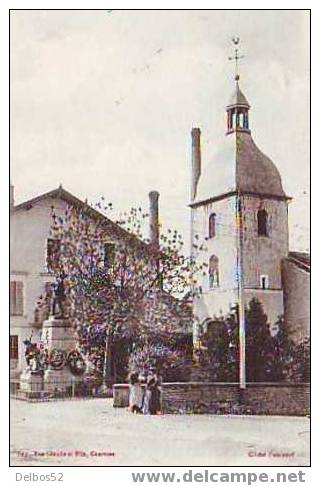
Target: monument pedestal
58 334
58 382
59 339
31 384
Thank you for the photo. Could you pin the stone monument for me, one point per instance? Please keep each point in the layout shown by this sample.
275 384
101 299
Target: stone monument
56 369
60 341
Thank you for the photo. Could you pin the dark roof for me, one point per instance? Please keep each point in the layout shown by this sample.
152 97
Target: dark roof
255 172
302 260
61 193
238 99
239 166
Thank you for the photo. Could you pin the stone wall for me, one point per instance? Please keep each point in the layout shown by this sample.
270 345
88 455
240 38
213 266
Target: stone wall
224 398
296 287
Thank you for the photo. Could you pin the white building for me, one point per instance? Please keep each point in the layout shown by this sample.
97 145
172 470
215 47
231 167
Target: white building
30 249
239 210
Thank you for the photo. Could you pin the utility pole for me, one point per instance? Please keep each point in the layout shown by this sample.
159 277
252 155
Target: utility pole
239 230
241 323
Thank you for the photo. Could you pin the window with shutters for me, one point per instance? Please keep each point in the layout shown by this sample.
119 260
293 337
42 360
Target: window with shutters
16 298
14 351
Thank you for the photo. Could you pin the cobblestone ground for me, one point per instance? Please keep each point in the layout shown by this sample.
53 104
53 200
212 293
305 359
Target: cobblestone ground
92 432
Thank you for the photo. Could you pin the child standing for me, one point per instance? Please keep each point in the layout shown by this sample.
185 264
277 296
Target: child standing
135 394
147 397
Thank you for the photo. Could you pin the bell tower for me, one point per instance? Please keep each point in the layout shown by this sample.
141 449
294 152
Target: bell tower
238 112
240 210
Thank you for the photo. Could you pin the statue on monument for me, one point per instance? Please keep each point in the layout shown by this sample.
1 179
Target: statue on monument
59 298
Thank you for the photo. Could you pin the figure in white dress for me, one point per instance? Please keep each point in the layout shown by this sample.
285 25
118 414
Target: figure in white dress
135 394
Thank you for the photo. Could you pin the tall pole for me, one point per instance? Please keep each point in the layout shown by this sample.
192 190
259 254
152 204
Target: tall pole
154 230
106 364
242 331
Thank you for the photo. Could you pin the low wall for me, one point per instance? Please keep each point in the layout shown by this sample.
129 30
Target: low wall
279 399
198 397
227 398
121 395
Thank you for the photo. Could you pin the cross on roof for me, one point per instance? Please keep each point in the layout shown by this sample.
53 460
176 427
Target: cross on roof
236 56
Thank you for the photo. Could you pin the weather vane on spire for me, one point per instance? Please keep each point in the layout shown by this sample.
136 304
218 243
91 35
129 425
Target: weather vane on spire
236 56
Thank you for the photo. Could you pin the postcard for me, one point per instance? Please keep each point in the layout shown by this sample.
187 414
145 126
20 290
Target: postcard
159 239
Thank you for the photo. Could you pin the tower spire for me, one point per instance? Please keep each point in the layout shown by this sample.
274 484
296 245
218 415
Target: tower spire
236 57
238 108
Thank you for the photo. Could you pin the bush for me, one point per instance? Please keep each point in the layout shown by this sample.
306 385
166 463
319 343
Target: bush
169 364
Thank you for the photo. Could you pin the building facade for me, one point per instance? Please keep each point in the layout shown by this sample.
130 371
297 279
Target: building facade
31 252
239 212
31 275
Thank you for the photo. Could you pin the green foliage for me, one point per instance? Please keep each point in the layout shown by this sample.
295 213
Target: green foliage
298 369
165 361
129 293
218 355
268 358
259 344
292 360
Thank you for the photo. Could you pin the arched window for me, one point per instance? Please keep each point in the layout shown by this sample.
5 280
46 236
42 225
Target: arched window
234 120
212 225
262 222
213 272
264 281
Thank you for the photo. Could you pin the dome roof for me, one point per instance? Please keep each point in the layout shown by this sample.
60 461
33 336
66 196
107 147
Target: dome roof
239 166
238 98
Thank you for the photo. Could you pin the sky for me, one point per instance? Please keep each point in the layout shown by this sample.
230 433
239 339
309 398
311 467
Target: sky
103 102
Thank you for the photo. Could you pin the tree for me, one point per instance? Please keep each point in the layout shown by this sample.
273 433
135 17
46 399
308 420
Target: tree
292 360
170 363
218 355
282 347
222 355
298 369
259 349
117 284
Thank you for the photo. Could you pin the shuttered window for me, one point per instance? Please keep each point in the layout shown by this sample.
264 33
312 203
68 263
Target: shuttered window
14 352
16 298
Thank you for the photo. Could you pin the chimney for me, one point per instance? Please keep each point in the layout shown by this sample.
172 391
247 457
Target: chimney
11 196
195 161
154 218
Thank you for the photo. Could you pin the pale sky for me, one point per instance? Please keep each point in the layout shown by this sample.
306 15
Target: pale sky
103 102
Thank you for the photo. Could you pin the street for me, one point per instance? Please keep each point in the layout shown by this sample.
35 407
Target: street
91 433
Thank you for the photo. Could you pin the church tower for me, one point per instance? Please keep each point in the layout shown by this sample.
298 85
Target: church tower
239 210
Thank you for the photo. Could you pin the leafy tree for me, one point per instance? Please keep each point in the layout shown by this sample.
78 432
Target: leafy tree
218 356
222 347
259 346
291 360
117 284
298 370
168 362
273 358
